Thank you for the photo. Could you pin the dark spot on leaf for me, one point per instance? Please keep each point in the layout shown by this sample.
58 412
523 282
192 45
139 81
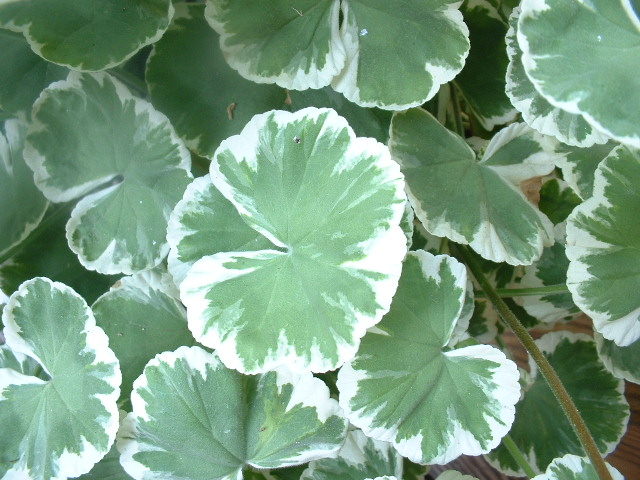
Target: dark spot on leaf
297 139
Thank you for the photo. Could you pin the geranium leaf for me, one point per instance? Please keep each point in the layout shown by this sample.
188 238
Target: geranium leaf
602 245
405 387
474 203
23 206
597 394
81 35
453 475
579 166
417 62
482 79
610 31
557 201
296 47
109 468
268 421
621 361
569 128
121 156
58 426
185 67
572 467
359 458
330 204
23 74
142 317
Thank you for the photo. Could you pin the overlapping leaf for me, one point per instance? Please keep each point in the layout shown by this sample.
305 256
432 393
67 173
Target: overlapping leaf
605 32
475 203
572 467
60 422
330 205
406 387
81 35
193 418
579 166
603 235
621 361
91 139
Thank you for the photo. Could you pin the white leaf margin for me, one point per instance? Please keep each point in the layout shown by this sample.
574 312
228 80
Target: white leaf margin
575 464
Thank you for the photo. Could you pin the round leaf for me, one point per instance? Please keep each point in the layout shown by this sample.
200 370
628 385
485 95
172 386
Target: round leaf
405 387
60 426
331 205
602 245
267 421
610 32
184 68
572 467
121 156
296 47
81 35
394 61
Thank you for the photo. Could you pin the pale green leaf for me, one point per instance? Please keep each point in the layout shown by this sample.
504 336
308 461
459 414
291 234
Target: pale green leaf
621 361
454 475
572 467
579 166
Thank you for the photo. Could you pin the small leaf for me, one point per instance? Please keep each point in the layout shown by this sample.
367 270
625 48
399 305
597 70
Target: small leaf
61 425
405 387
266 421
453 475
602 245
121 156
572 467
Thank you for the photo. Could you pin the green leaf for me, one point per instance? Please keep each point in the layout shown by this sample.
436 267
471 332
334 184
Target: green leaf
610 33
142 317
295 47
61 425
621 361
597 394
572 467
470 202
183 70
81 35
108 468
23 206
359 458
330 204
406 387
266 421
23 74
453 475
557 201
394 61
482 79
569 128
121 156
579 165
602 244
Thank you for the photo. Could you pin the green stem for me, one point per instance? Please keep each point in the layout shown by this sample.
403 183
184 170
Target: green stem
457 112
517 455
549 374
526 292
130 80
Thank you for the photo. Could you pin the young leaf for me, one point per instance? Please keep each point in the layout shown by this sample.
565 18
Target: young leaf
405 387
602 244
229 420
597 394
359 458
81 35
60 423
330 204
610 33
394 61
572 467
469 202
23 206
121 156
296 47
191 83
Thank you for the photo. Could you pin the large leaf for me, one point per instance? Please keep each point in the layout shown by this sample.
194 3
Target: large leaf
470 202
603 235
23 206
572 467
330 204
605 32
597 394
394 59
569 128
406 387
91 138
60 423
81 35
191 83
294 46
231 420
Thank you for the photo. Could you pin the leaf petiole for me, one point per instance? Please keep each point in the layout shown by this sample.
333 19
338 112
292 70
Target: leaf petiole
526 292
517 455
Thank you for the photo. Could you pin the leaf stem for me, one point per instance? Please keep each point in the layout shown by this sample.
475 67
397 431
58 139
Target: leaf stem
517 455
549 374
457 112
526 292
